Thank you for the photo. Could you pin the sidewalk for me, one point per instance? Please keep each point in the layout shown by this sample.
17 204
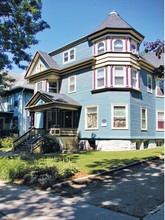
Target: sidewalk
22 203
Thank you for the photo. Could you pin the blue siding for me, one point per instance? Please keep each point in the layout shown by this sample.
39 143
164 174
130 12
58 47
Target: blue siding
146 100
103 100
83 51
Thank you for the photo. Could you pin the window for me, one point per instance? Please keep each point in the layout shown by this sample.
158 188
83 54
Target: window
100 78
39 86
53 86
119 117
149 83
135 83
160 120
100 48
143 119
118 46
72 84
119 78
91 117
40 67
69 56
160 87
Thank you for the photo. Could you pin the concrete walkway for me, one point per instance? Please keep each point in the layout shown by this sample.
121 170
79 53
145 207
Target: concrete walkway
21 202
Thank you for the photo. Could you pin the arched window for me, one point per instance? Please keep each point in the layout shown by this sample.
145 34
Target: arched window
100 48
118 46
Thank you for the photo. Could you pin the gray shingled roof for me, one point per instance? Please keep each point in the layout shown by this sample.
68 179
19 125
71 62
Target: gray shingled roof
50 61
113 21
57 97
153 59
19 81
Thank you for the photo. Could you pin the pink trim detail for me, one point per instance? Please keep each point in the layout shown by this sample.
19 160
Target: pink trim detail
111 75
131 77
138 79
126 48
126 76
110 44
94 78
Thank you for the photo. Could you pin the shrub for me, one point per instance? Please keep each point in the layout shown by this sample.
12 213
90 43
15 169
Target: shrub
50 144
6 142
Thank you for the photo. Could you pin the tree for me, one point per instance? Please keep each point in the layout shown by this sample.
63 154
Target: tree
156 46
5 81
20 21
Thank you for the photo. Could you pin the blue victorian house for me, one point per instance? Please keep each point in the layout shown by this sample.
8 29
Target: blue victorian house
98 91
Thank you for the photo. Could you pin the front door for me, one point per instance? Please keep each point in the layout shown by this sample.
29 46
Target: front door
38 119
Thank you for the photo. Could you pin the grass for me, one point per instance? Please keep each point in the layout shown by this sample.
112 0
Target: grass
88 162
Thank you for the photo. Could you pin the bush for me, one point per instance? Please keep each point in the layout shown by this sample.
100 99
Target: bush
50 144
6 142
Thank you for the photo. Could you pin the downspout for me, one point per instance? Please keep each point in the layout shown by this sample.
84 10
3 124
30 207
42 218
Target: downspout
22 110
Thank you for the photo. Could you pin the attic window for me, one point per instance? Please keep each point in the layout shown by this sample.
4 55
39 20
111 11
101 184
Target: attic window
69 55
118 46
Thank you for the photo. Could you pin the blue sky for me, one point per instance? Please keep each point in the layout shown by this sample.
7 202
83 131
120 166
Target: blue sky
73 19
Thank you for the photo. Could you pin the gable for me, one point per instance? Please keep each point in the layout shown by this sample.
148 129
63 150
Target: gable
40 66
41 62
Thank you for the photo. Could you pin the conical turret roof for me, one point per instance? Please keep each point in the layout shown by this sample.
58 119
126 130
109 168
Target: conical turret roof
113 20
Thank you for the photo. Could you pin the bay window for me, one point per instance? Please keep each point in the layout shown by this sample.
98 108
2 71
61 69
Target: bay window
100 48
119 76
135 79
100 78
118 46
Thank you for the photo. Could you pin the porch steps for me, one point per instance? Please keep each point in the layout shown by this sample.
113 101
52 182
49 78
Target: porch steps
25 147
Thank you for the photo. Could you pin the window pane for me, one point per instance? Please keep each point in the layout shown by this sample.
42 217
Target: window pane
100 48
119 120
160 87
92 117
72 85
160 120
118 46
71 54
53 86
119 76
100 78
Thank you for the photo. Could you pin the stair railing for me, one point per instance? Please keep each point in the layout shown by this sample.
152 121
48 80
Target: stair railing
37 142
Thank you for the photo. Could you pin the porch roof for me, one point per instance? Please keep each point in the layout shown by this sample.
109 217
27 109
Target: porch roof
47 100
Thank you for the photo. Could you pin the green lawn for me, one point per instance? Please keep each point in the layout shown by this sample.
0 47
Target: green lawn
89 162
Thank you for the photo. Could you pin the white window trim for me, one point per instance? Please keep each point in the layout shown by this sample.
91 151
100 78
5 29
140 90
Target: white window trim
149 90
68 51
124 71
160 96
96 82
70 84
92 106
112 116
158 129
146 118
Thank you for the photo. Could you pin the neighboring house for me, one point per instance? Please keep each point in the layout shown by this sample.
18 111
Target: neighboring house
13 116
100 88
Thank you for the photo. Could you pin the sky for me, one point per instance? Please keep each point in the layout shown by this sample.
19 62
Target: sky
70 20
